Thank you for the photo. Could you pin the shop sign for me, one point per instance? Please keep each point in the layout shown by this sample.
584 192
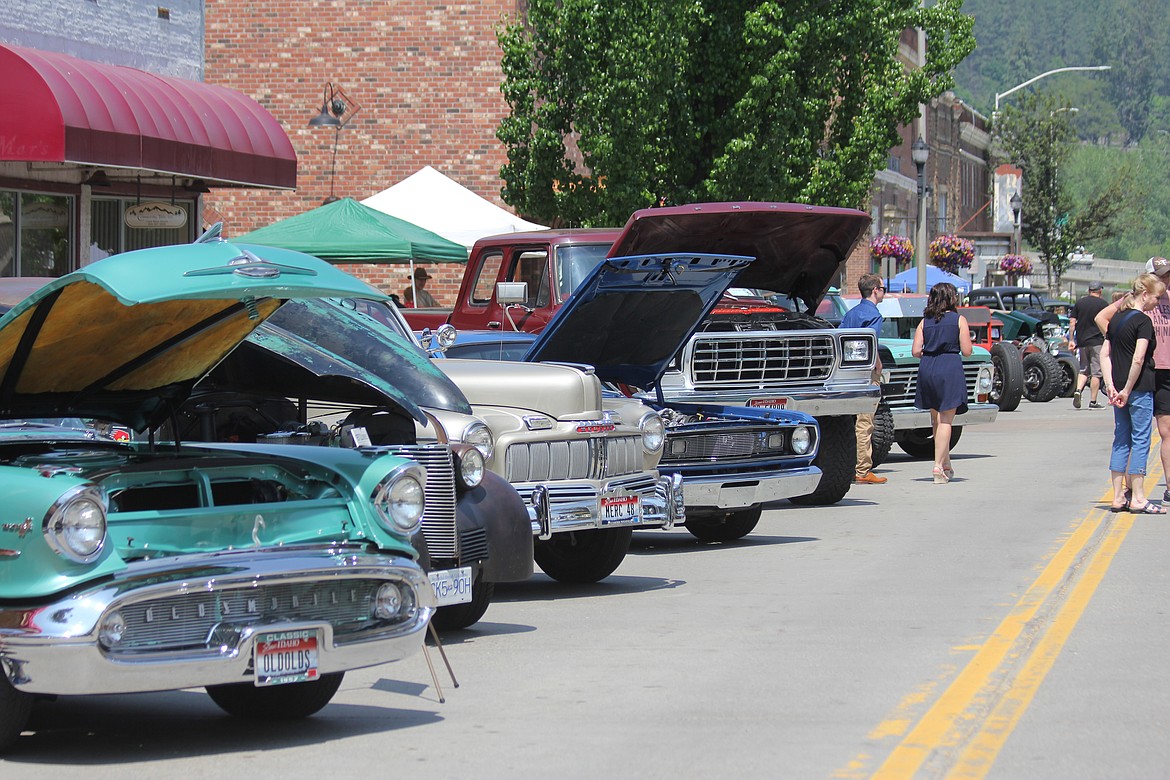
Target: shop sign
156 214
43 216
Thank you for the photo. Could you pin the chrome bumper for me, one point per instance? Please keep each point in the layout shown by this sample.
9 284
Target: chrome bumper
557 508
746 490
817 402
911 418
54 648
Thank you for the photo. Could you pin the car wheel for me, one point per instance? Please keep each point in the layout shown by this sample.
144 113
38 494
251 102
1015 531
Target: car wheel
1042 377
1007 384
1071 369
883 434
919 442
723 526
837 460
456 616
279 702
583 556
15 707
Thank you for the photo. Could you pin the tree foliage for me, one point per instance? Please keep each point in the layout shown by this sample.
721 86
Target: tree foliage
1036 133
620 106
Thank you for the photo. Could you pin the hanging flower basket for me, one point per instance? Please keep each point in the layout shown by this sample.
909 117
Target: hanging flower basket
898 248
1015 264
951 253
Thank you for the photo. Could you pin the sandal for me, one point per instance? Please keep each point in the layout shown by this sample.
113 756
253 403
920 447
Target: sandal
1148 508
1123 508
940 476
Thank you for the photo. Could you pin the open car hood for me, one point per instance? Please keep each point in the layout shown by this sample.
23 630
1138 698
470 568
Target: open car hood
631 315
799 249
323 349
126 338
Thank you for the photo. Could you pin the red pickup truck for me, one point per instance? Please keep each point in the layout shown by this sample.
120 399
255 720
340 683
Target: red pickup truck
749 352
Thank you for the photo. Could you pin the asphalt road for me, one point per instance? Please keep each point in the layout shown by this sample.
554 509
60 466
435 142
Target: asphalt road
1002 626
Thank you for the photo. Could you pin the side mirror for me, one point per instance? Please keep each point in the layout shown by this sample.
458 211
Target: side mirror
511 292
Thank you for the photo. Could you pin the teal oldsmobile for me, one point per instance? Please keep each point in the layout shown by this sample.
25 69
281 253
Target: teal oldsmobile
261 572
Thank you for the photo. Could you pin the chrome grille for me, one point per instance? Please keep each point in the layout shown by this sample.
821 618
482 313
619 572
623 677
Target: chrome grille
473 544
438 521
908 376
717 444
194 620
641 484
597 458
762 359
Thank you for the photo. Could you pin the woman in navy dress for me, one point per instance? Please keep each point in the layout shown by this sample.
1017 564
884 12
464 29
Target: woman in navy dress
941 339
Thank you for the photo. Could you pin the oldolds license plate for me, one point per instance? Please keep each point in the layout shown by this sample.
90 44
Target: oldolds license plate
621 510
281 657
769 403
452 586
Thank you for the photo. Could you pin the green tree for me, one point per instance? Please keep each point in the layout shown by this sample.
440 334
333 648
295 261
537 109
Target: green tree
620 106
1036 133
1135 48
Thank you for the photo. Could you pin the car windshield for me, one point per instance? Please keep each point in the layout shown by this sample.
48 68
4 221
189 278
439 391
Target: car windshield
490 350
574 263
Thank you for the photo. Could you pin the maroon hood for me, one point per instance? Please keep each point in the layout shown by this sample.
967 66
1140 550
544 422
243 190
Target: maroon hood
798 249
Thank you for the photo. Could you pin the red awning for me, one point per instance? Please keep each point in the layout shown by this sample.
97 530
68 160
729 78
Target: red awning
57 108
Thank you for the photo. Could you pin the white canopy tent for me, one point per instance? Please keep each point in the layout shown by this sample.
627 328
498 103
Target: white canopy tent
442 205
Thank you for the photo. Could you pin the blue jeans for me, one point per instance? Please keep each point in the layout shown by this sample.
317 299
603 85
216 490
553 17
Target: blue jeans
1132 426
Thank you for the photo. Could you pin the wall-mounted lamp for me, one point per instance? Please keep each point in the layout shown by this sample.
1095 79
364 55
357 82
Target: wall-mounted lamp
98 179
337 109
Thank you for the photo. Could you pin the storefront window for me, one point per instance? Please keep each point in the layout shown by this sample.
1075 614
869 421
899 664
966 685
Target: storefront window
111 234
7 233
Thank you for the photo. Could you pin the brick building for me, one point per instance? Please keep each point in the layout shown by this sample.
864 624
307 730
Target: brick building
424 79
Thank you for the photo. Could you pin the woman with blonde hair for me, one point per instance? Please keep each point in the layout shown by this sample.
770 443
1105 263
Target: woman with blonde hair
940 340
1127 368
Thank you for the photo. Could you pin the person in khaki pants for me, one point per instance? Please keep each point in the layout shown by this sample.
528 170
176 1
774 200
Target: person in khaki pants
866 315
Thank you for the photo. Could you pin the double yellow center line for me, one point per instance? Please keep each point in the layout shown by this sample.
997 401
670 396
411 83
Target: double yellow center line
964 730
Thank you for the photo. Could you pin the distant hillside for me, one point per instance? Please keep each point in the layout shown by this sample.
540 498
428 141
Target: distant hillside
1123 116
1019 39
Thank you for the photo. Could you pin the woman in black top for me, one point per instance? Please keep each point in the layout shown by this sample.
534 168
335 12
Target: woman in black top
941 339
1127 366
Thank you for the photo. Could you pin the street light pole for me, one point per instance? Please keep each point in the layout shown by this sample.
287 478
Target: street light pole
1017 205
919 152
1034 79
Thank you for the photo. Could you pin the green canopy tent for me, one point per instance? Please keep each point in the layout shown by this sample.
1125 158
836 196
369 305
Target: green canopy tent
345 231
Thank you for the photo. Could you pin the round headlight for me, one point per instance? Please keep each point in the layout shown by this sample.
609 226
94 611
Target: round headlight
399 503
480 436
470 467
75 526
801 440
653 432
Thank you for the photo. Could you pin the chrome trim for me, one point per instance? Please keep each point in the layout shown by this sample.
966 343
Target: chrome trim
559 507
98 496
977 414
54 648
747 490
817 401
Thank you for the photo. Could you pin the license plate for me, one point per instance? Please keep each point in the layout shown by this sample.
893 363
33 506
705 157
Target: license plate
620 510
769 403
281 657
452 586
